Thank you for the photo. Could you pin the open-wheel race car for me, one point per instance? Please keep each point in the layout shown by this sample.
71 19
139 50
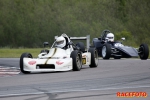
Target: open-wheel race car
63 55
107 47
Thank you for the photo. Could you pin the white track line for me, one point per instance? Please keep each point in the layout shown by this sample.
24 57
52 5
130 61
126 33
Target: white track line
8 71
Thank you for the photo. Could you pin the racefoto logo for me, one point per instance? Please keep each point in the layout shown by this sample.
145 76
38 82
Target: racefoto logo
131 94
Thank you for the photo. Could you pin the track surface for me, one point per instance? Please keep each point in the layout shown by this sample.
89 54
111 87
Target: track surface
101 83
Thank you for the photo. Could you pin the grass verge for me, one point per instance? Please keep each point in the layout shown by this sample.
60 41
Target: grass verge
16 53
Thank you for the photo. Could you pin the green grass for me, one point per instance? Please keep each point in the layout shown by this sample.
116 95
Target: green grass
16 53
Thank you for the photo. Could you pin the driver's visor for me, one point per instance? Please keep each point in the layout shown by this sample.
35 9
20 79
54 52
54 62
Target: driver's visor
59 42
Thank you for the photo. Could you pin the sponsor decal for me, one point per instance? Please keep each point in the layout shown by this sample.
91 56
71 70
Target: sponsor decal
59 62
131 94
31 62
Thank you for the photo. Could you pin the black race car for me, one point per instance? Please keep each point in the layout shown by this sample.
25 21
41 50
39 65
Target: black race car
117 50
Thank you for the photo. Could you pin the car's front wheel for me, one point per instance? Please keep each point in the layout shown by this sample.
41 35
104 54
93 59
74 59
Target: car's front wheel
76 58
144 51
106 51
24 55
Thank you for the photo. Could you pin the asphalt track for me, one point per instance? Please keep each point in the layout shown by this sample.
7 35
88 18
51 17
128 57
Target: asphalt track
101 83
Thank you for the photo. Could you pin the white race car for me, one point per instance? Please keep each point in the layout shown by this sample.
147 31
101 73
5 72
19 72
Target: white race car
62 56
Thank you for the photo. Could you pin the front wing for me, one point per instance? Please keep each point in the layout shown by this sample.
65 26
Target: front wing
47 65
130 51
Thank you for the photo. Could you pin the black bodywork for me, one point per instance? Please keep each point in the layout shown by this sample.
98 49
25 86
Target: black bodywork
117 49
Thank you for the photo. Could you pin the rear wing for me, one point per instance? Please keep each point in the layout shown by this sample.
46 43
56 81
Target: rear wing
87 38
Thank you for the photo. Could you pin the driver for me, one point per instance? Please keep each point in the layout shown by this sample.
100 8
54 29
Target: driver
110 37
60 42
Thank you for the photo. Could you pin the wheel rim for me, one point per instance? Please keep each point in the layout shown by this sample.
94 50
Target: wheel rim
96 58
104 51
141 51
78 61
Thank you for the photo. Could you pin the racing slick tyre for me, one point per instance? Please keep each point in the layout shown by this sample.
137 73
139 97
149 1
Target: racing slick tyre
143 51
81 46
47 51
24 55
76 58
94 57
106 51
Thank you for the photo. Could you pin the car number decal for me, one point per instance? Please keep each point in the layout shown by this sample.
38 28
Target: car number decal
83 60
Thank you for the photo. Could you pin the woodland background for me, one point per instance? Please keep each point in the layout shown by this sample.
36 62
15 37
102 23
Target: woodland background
28 23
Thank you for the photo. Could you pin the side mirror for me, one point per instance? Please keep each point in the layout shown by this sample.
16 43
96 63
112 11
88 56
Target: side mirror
45 44
123 39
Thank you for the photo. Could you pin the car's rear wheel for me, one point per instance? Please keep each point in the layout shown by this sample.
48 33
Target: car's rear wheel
94 57
144 51
24 55
76 57
106 51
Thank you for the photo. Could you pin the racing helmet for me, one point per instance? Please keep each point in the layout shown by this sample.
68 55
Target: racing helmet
110 37
60 42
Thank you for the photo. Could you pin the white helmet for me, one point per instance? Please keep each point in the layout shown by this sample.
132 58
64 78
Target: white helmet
60 42
110 37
